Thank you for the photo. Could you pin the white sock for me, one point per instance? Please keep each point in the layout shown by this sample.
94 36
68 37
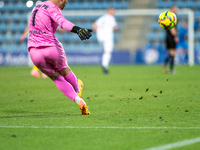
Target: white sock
106 60
77 99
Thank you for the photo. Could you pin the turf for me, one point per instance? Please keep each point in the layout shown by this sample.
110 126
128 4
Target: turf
34 114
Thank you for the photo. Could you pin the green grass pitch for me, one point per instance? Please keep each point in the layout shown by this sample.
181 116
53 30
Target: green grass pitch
132 108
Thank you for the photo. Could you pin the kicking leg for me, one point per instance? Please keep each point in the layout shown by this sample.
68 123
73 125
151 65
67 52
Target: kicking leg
70 77
65 87
68 91
40 58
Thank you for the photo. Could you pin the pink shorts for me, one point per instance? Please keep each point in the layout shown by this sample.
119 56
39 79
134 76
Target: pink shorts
49 59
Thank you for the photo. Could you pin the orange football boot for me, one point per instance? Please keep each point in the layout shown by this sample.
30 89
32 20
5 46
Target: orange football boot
83 108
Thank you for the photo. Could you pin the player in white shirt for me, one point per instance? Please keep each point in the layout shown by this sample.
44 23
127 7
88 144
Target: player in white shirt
105 27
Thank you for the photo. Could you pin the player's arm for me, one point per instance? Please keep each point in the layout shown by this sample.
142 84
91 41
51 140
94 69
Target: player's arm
94 26
23 36
115 28
115 25
174 34
60 30
57 16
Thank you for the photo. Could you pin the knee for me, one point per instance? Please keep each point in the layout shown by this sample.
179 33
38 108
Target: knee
54 76
65 71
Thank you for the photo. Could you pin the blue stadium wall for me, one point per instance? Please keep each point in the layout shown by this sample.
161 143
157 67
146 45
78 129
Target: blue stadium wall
153 56
22 58
149 56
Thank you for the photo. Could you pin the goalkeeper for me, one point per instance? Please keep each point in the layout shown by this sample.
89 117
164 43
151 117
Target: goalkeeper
35 71
47 52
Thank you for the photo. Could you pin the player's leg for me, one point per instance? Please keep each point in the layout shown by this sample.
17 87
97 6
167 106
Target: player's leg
65 72
44 75
39 60
35 72
69 76
83 107
46 62
61 65
64 86
172 53
167 58
108 48
169 45
67 89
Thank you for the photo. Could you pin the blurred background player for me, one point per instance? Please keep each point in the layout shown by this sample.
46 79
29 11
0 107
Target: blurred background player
105 27
171 41
47 52
35 71
182 46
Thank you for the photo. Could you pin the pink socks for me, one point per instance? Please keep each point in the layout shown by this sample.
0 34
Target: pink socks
65 87
72 79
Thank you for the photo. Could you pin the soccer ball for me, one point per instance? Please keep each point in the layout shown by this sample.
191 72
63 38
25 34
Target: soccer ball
167 20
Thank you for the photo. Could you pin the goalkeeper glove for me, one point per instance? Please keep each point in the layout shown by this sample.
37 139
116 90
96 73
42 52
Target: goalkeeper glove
82 32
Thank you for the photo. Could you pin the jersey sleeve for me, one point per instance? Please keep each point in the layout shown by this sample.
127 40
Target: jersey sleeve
114 23
56 15
99 21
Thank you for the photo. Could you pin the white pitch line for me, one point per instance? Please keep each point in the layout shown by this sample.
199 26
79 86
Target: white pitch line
96 127
176 144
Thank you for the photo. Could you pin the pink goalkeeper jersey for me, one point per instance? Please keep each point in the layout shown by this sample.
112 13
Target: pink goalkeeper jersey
44 20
